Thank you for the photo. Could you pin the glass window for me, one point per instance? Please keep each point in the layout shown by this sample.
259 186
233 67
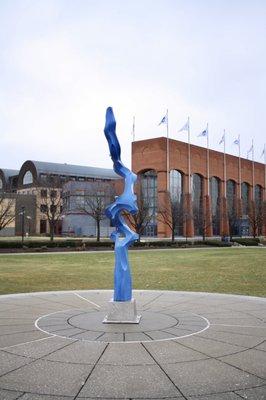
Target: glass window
197 185
258 194
175 185
245 197
28 178
231 207
215 195
149 192
230 195
176 191
258 209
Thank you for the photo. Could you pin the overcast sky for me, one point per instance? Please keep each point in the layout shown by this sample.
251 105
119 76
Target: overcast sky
63 62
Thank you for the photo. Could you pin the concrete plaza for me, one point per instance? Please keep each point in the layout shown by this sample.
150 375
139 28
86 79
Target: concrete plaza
53 346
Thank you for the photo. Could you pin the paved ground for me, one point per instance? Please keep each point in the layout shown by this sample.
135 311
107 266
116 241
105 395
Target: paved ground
53 346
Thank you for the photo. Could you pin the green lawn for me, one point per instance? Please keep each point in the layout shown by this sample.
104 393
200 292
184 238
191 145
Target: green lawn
238 270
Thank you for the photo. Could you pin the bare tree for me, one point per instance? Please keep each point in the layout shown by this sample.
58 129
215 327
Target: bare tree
50 204
143 217
171 214
7 210
95 201
255 215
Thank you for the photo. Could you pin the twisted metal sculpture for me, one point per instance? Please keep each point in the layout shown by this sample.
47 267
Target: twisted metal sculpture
123 236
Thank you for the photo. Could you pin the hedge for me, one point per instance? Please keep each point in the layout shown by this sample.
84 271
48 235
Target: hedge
247 241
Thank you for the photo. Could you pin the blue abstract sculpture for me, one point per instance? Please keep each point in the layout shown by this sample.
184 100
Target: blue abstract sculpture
123 236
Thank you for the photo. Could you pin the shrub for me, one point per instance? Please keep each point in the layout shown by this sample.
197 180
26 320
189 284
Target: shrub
247 241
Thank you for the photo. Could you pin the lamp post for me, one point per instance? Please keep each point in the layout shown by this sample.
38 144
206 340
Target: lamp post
29 219
22 213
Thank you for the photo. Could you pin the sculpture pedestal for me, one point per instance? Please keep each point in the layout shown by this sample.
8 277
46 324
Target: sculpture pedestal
122 312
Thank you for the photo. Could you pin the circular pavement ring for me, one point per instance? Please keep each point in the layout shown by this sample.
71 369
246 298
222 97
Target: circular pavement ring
154 326
187 346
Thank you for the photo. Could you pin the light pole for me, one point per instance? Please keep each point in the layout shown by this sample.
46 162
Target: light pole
22 213
29 219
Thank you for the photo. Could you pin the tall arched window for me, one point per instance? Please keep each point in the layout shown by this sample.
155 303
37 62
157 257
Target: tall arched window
258 194
245 197
148 182
215 195
231 206
230 195
197 192
259 208
27 178
176 190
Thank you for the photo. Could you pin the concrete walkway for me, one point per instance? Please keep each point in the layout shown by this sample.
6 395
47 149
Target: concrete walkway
53 346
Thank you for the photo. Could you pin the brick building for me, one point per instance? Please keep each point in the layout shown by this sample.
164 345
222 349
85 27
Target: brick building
232 201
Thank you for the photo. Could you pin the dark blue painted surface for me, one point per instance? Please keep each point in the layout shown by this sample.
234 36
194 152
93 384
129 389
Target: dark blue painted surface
123 236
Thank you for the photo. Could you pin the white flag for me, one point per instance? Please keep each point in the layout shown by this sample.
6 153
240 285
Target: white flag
164 120
222 139
185 127
237 141
204 133
250 150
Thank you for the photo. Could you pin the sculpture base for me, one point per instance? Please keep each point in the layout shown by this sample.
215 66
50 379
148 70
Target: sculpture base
122 312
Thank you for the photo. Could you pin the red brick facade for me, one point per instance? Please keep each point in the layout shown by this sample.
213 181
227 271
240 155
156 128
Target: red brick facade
151 154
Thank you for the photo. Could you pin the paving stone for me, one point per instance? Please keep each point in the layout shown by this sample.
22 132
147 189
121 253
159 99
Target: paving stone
30 396
211 348
9 394
221 396
47 377
253 361
169 352
78 352
209 376
126 354
262 346
258 393
128 381
136 337
11 329
127 370
40 348
17 338
232 338
8 362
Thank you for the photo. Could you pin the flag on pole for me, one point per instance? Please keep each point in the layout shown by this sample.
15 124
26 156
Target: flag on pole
237 141
185 127
164 120
250 150
222 139
204 133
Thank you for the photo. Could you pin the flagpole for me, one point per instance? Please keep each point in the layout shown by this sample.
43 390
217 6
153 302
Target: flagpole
189 166
253 171
264 171
208 162
224 168
167 151
133 129
239 168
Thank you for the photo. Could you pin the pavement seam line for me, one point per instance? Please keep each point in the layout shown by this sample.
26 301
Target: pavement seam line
36 359
93 368
165 373
219 359
87 300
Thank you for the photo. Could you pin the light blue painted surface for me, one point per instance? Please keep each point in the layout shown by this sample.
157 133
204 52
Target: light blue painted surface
123 236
